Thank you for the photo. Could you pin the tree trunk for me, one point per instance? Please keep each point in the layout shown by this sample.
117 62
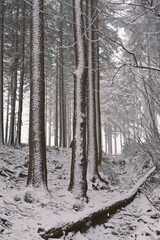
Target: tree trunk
56 114
151 104
19 125
97 80
78 182
7 116
92 134
14 83
106 139
49 130
69 123
115 140
46 106
110 139
1 73
121 143
37 172
61 85
49 120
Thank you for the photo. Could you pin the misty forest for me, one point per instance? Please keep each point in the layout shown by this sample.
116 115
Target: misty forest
80 119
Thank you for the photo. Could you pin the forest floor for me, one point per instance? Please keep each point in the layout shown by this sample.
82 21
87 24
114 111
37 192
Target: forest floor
23 210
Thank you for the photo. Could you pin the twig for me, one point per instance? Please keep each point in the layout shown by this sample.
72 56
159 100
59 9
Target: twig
152 203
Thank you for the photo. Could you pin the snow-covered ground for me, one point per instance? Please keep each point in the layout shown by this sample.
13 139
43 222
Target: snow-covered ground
24 210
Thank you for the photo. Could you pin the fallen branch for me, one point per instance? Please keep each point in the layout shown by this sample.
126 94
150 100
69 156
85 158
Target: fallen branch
81 218
152 203
5 172
5 223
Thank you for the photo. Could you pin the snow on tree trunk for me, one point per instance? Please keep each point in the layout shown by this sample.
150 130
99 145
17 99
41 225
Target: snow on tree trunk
121 144
105 137
110 139
50 120
61 85
97 79
56 110
69 122
78 183
151 103
19 124
115 139
1 72
92 137
7 115
37 172
14 82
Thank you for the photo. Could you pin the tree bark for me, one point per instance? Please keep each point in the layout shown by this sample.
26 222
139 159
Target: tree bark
110 139
92 134
14 82
1 73
115 139
69 122
121 143
106 139
61 85
78 182
7 115
97 79
49 120
19 124
56 114
37 171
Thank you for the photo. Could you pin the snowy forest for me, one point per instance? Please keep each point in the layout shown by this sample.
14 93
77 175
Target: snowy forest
80 119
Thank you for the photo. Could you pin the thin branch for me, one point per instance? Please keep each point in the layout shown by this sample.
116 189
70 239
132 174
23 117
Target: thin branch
122 46
145 67
152 203
116 74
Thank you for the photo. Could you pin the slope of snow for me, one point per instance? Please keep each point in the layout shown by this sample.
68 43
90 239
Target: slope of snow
24 210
